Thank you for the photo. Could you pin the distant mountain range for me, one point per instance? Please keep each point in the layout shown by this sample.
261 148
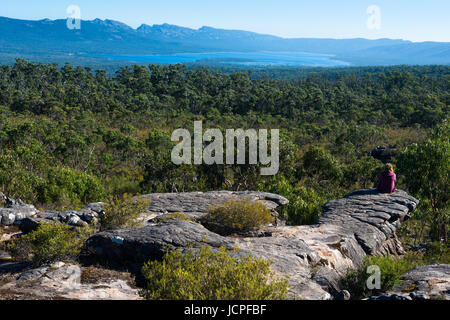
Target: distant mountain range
50 40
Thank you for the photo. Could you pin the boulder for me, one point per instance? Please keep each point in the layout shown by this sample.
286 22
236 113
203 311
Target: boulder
97 207
32 274
14 211
133 247
31 224
383 153
371 217
7 217
75 218
343 295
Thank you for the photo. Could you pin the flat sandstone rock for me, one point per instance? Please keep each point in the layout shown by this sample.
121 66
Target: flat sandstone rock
314 257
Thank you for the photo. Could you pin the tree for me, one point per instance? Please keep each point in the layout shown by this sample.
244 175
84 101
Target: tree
425 170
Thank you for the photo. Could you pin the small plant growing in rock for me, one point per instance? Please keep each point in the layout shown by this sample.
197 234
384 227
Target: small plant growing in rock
237 215
211 275
122 212
175 215
51 242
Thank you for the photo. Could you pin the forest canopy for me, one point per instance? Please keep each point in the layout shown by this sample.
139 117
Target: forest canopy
71 135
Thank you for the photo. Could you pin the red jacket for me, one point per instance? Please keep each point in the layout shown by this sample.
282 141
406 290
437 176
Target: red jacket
386 182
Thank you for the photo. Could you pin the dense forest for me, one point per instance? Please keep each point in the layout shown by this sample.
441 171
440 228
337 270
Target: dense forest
72 135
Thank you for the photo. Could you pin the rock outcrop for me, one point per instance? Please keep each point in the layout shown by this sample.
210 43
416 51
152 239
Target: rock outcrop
192 204
195 204
314 257
13 211
76 218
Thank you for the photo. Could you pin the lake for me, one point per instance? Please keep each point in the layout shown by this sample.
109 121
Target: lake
262 59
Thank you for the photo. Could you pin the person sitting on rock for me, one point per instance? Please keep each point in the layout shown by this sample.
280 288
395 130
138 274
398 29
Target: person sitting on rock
387 179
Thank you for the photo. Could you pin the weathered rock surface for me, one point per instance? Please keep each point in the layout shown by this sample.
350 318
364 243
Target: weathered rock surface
196 204
133 247
5 256
192 204
371 217
425 282
43 283
14 210
76 218
61 281
363 222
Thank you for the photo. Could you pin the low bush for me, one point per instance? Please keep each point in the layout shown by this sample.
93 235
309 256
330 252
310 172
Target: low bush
305 206
122 212
391 270
211 275
175 215
51 242
237 215
320 163
69 186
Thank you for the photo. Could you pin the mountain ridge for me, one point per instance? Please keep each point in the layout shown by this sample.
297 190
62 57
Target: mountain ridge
49 38
204 28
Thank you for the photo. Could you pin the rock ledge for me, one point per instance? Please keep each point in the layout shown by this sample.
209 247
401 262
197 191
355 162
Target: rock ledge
314 257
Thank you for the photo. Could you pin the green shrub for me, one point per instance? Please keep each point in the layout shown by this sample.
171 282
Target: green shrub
362 173
305 203
122 212
318 161
237 215
175 215
437 252
19 183
305 206
391 269
211 275
51 242
65 185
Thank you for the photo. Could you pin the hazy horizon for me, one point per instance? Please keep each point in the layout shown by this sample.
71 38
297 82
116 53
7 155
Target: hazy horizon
414 21
214 27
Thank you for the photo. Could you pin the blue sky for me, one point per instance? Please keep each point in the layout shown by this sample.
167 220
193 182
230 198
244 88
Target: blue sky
415 20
